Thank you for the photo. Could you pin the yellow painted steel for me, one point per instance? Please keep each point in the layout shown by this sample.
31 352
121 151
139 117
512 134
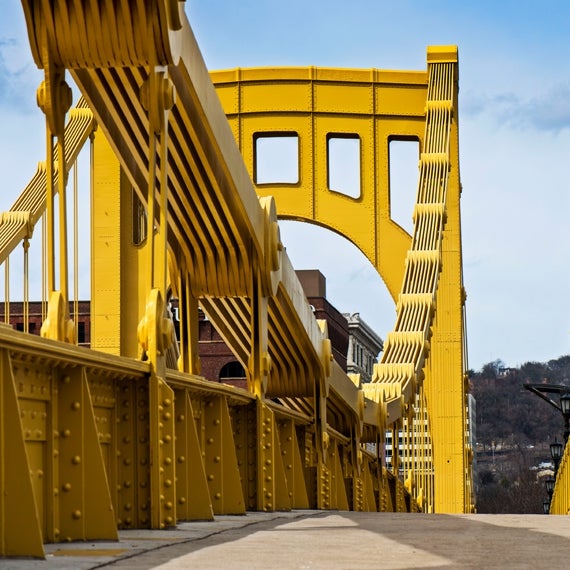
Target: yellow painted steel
422 272
128 435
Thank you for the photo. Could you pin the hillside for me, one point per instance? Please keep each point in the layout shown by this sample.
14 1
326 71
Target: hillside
514 430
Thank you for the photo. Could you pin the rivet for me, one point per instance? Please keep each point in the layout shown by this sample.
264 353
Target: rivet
66 487
218 496
181 459
76 460
65 433
182 500
168 520
167 460
75 406
210 477
167 402
168 483
168 505
128 507
66 379
217 459
216 422
76 514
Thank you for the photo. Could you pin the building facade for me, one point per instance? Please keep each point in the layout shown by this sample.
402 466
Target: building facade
364 346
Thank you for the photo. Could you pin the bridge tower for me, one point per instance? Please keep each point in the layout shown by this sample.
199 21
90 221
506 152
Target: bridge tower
310 108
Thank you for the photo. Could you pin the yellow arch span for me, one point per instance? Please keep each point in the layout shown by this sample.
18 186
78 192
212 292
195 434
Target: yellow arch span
314 103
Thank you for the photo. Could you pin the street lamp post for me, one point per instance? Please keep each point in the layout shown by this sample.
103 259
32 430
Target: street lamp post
565 409
544 391
549 483
556 450
563 405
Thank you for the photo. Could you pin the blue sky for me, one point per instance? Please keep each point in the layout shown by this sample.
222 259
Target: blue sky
514 121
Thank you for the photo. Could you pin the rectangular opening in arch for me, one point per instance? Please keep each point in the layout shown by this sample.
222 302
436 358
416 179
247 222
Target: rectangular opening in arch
276 158
343 164
404 154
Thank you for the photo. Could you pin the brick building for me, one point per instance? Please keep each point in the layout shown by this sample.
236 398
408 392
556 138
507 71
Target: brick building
218 363
35 318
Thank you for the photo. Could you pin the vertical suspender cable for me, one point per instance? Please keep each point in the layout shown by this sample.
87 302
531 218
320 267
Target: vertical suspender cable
7 290
75 254
44 268
26 303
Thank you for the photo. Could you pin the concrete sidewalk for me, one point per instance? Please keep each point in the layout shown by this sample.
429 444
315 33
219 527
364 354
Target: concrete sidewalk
328 540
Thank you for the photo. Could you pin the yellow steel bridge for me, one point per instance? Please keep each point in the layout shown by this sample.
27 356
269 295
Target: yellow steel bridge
127 434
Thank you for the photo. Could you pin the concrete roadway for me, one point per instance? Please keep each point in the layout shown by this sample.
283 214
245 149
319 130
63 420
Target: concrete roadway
327 540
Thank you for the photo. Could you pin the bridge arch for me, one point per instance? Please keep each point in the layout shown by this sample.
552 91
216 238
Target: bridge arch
315 106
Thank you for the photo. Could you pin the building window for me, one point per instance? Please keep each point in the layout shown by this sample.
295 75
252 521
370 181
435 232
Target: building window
139 220
81 332
232 371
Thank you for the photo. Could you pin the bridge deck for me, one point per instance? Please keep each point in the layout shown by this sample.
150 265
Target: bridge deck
316 539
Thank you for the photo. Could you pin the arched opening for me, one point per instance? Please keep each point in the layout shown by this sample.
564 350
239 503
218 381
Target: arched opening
232 372
352 284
